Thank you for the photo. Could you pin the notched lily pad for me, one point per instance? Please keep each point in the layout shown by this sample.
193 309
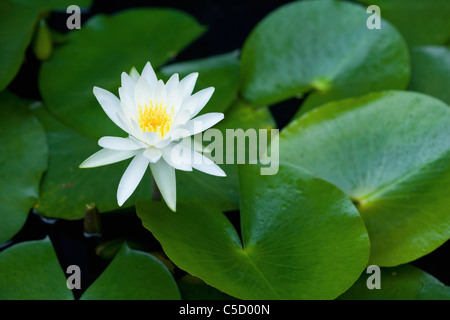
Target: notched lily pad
301 238
323 48
390 153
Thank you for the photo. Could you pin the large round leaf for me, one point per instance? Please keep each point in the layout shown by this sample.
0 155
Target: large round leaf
133 275
420 22
31 271
323 48
390 152
400 283
430 71
66 189
301 238
97 54
23 160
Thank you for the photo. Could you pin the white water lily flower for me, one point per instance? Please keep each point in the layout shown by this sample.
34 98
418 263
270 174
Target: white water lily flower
155 116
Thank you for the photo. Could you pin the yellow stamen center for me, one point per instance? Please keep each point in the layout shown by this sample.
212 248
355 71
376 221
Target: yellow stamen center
155 118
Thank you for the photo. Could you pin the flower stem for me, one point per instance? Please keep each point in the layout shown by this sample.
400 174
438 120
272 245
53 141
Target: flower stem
92 221
156 194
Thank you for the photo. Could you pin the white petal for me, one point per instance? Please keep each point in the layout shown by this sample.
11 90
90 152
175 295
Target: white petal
161 144
189 83
127 104
177 155
151 138
192 143
138 142
172 82
149 74
127 124
110 104
127 83
181 118
143 92
160 94
153 154
137 131
164 176
134 74
198 145
204 164
107 156
175 98
203 122
117 143
131 178
196 102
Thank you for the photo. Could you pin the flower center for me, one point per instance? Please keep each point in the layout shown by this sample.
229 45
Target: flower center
155 118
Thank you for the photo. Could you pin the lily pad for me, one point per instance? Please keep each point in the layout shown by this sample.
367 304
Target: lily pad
389 152
430 71
66 189
400 283
31 271
301 238
133 275
420 22
23 160
324 49
116 43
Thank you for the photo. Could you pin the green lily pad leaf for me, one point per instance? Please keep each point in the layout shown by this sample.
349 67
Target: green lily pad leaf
23 160
201 188
116 44
301 238
420 22
31 271
390 152
430 72
400 283
220 72
133 275
322 48
66 189
16 31
222 192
